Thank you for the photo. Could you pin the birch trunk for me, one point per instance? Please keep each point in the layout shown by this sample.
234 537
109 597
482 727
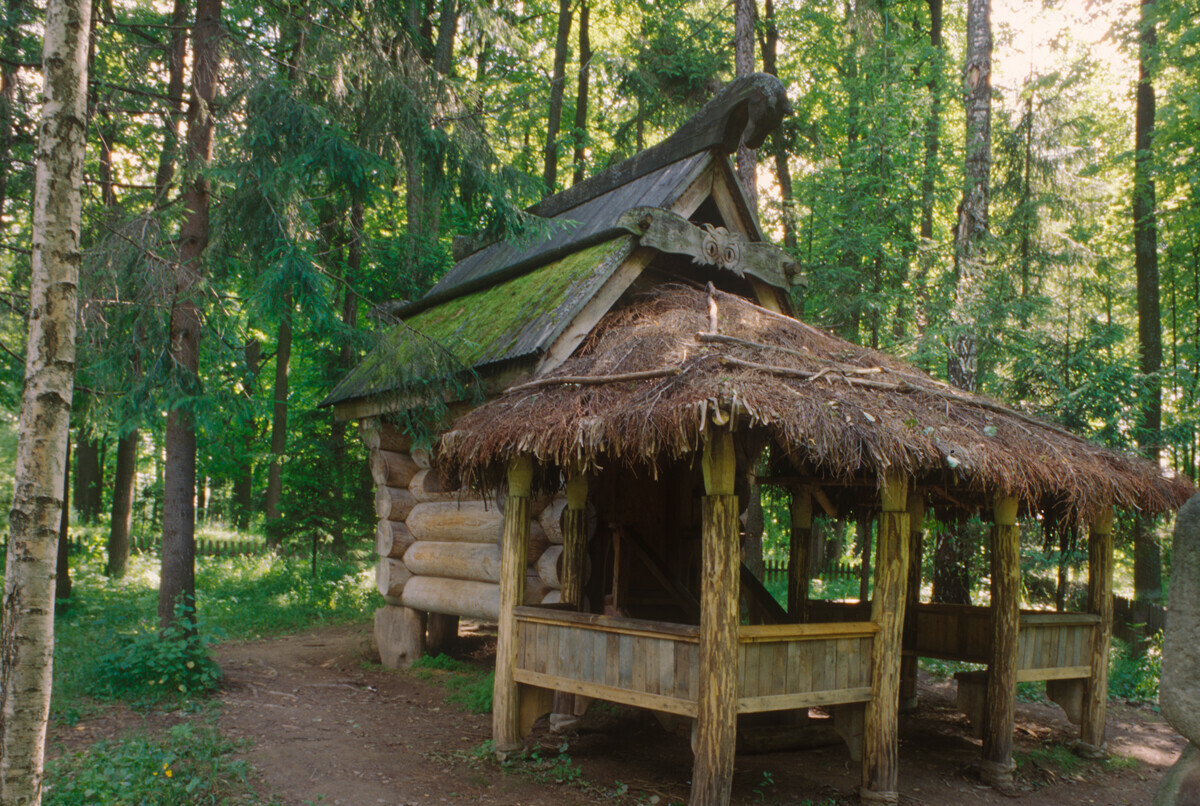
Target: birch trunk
27 641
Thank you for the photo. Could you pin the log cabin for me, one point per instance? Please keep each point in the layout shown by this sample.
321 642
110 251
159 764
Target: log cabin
631 375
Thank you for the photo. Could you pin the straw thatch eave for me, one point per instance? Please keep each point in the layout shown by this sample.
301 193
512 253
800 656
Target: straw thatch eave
654 374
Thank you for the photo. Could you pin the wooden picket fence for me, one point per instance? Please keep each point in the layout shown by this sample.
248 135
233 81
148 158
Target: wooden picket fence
777 571
242 547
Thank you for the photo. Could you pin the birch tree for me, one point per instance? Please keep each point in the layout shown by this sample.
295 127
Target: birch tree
27 637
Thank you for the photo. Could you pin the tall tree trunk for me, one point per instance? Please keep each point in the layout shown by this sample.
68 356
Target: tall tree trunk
243 484
558 82
62 578
930 169
581 100
972 224
15 12
87 475
27 638
783 171
743 63
1147 556
279 417
124 489
176 52
177 585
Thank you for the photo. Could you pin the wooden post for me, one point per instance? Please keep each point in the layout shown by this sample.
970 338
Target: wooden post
574 539
864 570
997 766
506 711
1095 699
716 707
912 598
798 549
880 741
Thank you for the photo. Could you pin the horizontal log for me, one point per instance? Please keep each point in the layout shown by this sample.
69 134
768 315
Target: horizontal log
421 457
392 539
427 485
391 577
536 590
457 597
392 468
474 561
393 503
448 521
553 517
549 566
538 543
553 597
378 435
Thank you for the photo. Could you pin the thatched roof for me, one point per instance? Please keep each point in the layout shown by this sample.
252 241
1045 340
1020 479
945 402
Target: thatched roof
838 412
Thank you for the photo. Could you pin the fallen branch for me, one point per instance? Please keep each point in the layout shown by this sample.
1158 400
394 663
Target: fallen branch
594 380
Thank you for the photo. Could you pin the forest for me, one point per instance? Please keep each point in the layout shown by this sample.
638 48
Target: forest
1005 194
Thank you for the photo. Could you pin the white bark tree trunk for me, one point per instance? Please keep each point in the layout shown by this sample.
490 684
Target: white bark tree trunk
27 635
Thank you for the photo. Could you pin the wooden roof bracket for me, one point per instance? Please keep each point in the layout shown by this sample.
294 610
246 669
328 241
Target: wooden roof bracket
712 246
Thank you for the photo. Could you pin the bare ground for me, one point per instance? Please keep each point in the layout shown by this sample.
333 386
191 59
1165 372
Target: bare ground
327 725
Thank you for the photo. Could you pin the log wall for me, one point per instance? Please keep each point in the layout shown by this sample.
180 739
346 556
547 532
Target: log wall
439 548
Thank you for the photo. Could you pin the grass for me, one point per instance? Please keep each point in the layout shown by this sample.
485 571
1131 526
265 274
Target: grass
190 764
467 686
242 597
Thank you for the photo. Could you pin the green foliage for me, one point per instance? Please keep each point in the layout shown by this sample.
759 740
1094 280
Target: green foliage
154 664
1133 677
188 765
114 621
469 687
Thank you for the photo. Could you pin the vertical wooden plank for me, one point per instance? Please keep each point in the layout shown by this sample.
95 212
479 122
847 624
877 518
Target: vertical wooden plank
1077 649
846 659
997 766
791 680
880 731
779 668
1062 653
766 668
747 681
666 668
683 669
639 662
1095 697
831 664
816 657
626 660
612 659
506 715
716 706
599 657
912 600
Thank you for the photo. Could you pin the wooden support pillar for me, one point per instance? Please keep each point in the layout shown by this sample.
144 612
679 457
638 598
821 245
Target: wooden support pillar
562 716
1099 600
997 766
798 550
863 526
574 539
912 598
506 712
716 706
880 741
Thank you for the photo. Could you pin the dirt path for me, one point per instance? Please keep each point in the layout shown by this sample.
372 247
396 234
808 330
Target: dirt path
328 726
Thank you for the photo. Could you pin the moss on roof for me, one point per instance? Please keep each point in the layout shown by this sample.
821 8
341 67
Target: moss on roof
507 321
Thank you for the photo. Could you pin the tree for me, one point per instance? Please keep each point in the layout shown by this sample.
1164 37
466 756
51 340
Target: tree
1147 557
558 85
177 584
743 61
27 651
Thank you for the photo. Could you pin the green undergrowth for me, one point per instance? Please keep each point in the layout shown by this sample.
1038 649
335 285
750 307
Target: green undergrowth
189 764
469 687
1059 759
108 646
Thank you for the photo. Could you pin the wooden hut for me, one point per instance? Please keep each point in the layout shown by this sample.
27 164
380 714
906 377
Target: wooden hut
642 365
